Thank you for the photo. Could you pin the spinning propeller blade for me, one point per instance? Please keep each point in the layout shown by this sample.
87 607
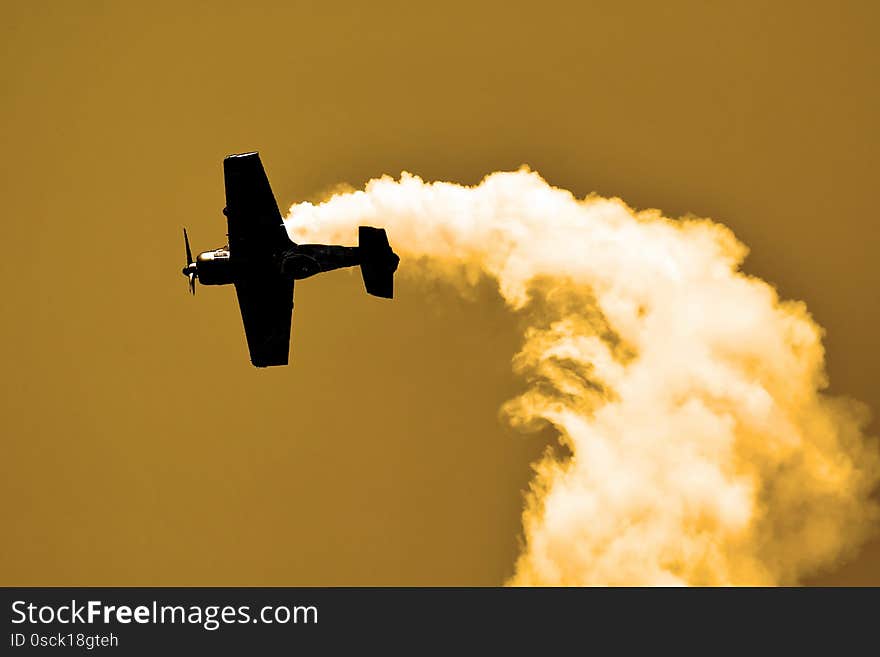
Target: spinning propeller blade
190 271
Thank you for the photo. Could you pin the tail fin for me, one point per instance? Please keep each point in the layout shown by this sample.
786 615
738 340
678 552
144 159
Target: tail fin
378 261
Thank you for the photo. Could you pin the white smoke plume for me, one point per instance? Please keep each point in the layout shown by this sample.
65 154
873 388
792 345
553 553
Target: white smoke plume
702 448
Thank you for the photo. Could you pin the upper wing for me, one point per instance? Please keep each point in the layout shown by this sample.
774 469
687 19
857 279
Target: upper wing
255 224
266 304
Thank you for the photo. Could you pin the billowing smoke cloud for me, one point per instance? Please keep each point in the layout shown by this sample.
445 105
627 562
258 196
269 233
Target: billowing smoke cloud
702 448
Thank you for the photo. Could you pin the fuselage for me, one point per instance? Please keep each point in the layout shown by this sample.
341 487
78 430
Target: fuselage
216 267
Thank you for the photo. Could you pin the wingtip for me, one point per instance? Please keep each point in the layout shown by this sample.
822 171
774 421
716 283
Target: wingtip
233 156
263 362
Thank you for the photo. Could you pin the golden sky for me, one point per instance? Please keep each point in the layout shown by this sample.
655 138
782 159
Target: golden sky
140 446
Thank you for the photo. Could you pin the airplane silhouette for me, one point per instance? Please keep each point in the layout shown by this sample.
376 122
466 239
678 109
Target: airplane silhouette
262 262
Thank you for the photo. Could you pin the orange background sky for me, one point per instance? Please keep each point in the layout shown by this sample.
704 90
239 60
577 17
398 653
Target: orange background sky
140 446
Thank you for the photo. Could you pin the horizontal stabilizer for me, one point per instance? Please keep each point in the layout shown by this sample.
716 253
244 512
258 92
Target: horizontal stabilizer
378 261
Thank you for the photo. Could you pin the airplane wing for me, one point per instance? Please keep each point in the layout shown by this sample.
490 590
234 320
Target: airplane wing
256 234
266 304
254 223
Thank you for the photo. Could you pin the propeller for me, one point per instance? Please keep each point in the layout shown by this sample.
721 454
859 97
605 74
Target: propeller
191 270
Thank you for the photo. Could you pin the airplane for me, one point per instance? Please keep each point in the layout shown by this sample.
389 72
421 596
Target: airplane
262 262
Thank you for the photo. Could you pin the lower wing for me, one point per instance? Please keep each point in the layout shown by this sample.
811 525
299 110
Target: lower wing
266 304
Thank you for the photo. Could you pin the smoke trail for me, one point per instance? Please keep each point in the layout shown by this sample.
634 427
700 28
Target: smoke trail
703 450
